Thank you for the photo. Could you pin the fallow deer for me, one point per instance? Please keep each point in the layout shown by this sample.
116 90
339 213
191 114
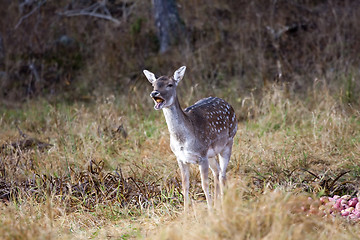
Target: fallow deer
197 134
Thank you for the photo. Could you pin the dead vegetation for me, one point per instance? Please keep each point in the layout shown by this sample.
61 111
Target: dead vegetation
274 215
285 152
76 188
84 155
85 189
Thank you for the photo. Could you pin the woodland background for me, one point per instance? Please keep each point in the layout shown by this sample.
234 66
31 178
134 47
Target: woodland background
46 51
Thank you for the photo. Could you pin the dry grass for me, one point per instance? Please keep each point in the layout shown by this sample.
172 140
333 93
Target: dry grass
109 171
271 215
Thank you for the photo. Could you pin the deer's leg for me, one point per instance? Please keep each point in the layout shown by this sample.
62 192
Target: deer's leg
224 158
214 166
184 169
204 172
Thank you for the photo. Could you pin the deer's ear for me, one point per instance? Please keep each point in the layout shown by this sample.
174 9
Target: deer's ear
150 76
179 74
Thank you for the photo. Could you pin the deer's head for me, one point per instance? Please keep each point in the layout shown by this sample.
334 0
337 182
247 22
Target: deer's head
164 92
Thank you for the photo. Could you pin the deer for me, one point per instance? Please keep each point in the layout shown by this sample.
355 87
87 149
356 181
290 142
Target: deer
198 133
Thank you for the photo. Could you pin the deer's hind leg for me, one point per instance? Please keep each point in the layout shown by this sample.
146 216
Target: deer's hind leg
204 173
215 168
224 158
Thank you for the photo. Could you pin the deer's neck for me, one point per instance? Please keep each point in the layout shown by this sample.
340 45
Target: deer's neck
177 122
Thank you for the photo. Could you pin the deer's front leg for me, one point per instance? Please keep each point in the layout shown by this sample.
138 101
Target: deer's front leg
184 168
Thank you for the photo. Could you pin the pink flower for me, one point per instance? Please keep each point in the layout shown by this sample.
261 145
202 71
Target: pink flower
344 213
335 197
357 206
353 202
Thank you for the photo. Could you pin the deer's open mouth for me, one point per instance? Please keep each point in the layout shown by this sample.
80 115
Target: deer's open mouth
159 102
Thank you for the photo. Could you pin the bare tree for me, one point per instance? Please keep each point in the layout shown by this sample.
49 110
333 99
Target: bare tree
171 29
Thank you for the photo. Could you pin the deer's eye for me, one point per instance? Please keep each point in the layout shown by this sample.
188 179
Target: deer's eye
170 85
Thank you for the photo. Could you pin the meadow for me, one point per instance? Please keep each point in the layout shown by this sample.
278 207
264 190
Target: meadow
109 172
85 156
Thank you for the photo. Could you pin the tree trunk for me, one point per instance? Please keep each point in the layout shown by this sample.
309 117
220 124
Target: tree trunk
169 26
2 52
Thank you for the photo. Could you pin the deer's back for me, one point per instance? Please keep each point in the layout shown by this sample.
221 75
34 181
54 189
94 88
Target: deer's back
213 119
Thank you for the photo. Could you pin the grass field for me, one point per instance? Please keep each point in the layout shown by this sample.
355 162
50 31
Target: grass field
108 171
83 154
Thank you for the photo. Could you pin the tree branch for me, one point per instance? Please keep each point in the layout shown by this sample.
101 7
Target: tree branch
92 14
92 11
30 13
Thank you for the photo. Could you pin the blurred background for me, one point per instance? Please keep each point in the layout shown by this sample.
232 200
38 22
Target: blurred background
80 50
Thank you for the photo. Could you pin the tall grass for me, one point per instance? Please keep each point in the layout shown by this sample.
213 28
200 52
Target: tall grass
273 215
285 141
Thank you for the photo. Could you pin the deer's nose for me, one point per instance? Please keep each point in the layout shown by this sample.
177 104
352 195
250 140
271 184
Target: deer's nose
154 94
